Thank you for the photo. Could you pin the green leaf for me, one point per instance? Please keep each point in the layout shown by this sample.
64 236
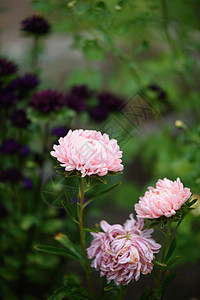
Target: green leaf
102 193
64 240
60 293
93 51
172 261
69 212
166 282
146 293
90 230
159 264
55 250
171 248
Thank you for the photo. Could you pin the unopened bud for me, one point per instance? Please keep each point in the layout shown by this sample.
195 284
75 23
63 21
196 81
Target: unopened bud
179 124
71 4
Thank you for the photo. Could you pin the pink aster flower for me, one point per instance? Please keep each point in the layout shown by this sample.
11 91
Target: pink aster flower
89 152
122 253
164 200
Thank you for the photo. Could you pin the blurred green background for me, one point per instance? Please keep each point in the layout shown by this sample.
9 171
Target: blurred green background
140 58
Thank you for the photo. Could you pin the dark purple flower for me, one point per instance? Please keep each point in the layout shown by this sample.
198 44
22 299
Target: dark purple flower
24 150
36 25
81 91
7 98
47 101
75 102
59 131
19 118
109 101
10 146
27 183
12 176
98 113
161 95
22 85
7 67
29 81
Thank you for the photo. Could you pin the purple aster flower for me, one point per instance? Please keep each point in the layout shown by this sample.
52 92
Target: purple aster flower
98 113
109 101
29 81
7 98
81 91
160 93
27 183
59 131
36 25
24 150
7 67
10 146
12 176
47 101
19 118
75 102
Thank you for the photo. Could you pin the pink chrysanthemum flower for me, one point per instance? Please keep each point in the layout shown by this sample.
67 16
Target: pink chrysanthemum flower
122 253
89 152
164 200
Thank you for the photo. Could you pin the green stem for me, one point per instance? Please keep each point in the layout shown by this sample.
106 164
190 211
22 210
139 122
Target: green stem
82 235
163 257
121 292
35 52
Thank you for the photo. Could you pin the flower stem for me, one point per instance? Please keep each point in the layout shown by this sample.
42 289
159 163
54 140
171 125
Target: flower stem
35 52
121 292
82 235
163 258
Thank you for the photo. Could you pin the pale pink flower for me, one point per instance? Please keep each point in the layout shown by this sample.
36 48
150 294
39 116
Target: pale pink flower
89 152
122 253
164 200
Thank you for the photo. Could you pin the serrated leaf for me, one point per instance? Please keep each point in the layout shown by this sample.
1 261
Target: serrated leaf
171 248
55 250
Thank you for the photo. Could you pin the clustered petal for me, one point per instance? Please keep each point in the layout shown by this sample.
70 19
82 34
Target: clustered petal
89 152
122 253
164 200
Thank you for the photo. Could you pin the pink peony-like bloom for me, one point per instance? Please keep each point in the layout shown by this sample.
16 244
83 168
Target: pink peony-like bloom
122 253
164 200
89 152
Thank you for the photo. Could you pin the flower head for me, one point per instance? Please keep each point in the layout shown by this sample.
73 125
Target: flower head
89 152
76 102
35 24
98 113
164 200
81 91
109 101
10 146
7 67
19 118
12 176
47 101
122 253
59 131
7 98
